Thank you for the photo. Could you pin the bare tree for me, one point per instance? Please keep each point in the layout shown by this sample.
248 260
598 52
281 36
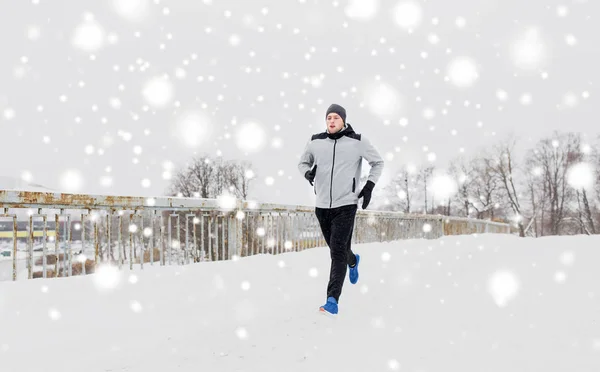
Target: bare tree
184 183
484 187
199 175
584 211
503 168
401 190
422 179
208 178
538 196
586 220
462 175
555 155
478 188
595 160
219 175
239 176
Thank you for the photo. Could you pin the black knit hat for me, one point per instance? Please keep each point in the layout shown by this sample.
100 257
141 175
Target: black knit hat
338 110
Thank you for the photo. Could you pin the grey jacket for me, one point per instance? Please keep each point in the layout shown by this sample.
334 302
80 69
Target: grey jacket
339 164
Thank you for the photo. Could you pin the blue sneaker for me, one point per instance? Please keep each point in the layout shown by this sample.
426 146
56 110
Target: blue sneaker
354 270
330 307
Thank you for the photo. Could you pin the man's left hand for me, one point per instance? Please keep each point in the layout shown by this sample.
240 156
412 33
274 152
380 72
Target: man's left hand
365 193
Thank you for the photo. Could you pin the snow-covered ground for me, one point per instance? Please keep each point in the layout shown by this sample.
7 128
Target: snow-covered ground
462 303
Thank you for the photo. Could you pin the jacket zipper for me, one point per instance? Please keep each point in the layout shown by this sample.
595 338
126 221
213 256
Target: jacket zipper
331 183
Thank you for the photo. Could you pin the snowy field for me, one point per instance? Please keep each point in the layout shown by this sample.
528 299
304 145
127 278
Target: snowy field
482 303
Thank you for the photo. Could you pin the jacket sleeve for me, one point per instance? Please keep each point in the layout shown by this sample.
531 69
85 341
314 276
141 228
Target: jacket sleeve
307 160
371 155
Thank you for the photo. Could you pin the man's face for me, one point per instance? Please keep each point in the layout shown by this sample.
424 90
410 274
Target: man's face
334 123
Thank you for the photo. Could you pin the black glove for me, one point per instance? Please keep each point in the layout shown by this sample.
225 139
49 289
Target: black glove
366 193
310 175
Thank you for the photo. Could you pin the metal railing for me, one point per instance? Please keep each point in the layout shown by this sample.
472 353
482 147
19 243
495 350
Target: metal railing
49 234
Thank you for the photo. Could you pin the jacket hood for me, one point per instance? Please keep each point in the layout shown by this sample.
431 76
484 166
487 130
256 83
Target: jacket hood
346 131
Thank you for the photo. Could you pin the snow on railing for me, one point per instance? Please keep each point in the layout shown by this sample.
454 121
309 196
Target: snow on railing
35 226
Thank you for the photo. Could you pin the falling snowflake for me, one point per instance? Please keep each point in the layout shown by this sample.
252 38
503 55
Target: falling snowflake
33 33
560 276
106 181
570 40
250 137
107 277
158 92
383 100
277 143
362 10
408 15
241 333
567 258
234 40
193 128
226 201
136 307
460 22
501 95
443 187
526 99
433 39
26 176
528 52
54 314
503 286
393 365
462 72
378 323
581 176
132 10
89 35
9 114
71 181
562 11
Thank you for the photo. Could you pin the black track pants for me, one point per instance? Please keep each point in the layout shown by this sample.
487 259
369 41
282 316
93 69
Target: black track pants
337 225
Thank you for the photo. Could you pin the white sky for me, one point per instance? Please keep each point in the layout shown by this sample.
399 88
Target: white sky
88 86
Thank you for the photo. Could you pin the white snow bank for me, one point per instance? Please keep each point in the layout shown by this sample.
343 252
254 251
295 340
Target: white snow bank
461 303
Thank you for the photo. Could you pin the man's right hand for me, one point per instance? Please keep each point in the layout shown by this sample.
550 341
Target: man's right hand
310 175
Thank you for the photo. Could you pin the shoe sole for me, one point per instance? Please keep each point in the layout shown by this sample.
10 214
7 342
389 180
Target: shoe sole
326 313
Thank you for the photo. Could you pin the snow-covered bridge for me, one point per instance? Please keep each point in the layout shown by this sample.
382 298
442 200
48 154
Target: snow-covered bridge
168 230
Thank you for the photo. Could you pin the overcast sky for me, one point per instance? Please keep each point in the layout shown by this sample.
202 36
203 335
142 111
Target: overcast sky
103 96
